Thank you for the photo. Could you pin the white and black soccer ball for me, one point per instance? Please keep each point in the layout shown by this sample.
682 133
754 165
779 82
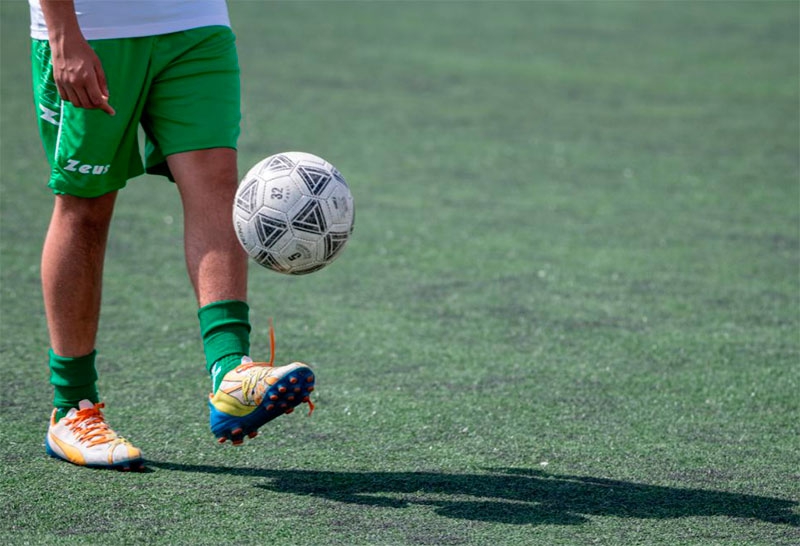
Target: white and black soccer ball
293 213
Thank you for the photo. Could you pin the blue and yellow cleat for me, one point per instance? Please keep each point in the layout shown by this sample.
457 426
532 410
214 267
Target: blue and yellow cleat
254 394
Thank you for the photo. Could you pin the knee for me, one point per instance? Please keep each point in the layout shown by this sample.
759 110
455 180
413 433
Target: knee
84 215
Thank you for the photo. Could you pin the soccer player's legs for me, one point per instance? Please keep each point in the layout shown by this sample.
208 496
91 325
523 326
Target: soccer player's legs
71 272
216 262
91 156
72 265
192 124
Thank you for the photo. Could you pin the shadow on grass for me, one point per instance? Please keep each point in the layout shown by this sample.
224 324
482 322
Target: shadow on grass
513 496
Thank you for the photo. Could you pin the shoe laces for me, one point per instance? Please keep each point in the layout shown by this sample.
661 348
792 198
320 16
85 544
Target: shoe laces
253 388
89 426
250 364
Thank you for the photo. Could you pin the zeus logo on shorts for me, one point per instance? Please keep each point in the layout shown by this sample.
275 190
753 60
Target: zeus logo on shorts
75 166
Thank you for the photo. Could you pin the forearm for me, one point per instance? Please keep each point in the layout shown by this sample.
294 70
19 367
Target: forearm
62 22
77 71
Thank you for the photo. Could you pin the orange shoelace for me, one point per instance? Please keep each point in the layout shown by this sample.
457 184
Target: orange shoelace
256 379
248 365
88 425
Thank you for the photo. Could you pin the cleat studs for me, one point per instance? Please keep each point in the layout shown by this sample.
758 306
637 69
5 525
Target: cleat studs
306 399
284 406
253 434
288 411
271 407
281 390
297 389
310 379
290 398
292 380
310 389
236 436
273 397
221 440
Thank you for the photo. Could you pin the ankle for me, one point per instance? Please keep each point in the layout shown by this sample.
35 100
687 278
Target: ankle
221 367
61 413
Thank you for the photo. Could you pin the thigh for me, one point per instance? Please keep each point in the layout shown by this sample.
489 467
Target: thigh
90 152
194 99
211 174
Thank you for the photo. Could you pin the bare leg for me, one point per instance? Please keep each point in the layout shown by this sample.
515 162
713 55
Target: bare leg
72 271
217 264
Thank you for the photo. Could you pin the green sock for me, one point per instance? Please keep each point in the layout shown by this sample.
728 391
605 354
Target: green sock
223 366
73 379
225 329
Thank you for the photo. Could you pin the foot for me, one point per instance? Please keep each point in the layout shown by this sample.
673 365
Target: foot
84 438
255 393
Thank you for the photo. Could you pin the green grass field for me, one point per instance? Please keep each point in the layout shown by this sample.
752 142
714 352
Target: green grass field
569 314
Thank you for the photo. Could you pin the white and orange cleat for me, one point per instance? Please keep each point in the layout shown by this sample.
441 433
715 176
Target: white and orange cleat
83 437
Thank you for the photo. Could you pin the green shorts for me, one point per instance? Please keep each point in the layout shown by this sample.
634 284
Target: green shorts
182 88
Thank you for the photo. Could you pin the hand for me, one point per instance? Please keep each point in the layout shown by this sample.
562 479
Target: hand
79 75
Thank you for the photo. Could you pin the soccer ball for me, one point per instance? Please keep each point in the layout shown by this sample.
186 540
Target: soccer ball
293 213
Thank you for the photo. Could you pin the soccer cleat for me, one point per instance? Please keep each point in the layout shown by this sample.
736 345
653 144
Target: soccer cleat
254 394
84 438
